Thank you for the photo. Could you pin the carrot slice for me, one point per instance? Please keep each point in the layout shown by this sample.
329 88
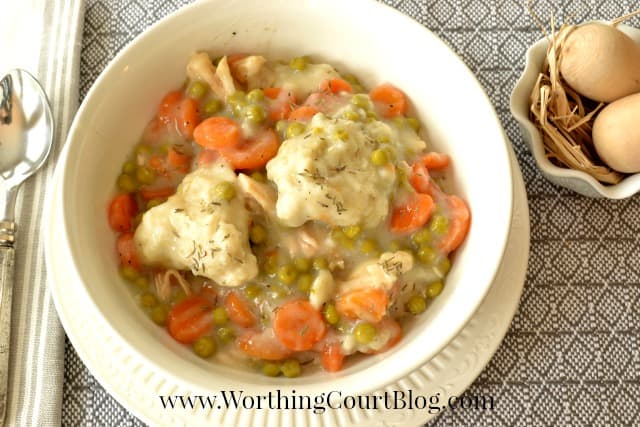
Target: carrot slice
156 163
218 132
369 304
303 113
168 106
413 215
336 86
122 209
435 161
262 346
420 179
332 357
271 92
187 117
298 325
239 311
392 100
126 247
179 161
180 112
254 153
459 223
157 193
190 319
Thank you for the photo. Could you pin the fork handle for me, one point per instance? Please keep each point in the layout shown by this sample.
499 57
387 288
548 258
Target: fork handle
7 252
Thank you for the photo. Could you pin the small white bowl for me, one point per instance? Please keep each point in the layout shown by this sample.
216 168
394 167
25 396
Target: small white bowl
366 38
578 181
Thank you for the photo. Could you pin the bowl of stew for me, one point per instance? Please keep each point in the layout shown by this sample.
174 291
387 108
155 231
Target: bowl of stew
253 198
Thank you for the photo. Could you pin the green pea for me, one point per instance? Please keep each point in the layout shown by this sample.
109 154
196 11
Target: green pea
281 127
287 274
383 139
148 300
145 175
304 282
379 157
220 316
439 224
258 176
225 334
129 168
271 369
129 273
414 123
368 246
237 97
426 254
252 290
141 282
225 190
352 231
341 134
204 347
212 106
422 236
399 121
294 129
256 95
254 114
331 314
351 115
143 149
291 368
364 333
361 101
302 264
164 149
257 234
154 202
371 116
416 304
159 315
320 264
299 63
444 266
434 289
198 90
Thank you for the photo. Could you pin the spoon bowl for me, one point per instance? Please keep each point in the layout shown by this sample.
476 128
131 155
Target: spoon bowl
26 133
26 137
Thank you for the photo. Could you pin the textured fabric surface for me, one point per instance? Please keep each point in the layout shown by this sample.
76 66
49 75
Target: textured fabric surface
42 37
571 355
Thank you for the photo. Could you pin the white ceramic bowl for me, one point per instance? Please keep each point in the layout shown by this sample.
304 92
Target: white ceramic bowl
459 119
578 181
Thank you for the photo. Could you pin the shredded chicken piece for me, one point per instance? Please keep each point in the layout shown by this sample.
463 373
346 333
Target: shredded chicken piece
162 282
262 193
224 74
321 289
383 272
201 68
253 72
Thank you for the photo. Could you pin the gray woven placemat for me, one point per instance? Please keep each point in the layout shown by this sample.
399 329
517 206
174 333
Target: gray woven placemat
571 356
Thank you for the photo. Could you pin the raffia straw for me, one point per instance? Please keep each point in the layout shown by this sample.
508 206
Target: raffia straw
563 116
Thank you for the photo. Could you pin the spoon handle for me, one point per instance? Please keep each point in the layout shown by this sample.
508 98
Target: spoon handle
7 230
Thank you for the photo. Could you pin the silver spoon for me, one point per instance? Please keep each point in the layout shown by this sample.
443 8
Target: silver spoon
26 136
